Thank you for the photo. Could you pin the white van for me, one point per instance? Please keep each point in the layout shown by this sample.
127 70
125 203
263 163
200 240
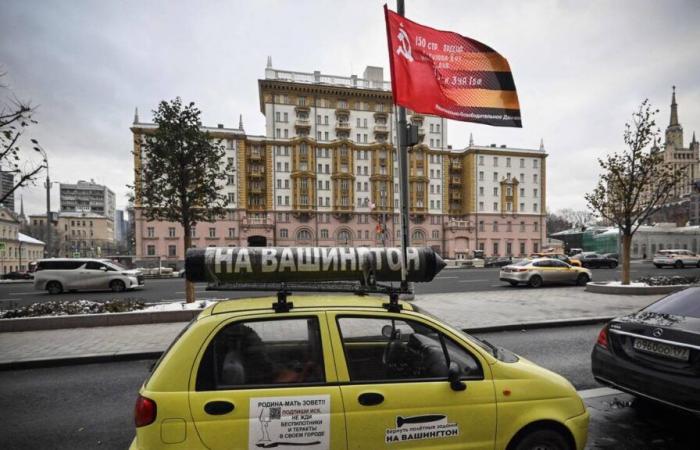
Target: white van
57 275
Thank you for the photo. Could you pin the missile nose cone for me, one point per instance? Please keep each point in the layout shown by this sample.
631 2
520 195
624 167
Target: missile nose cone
439 264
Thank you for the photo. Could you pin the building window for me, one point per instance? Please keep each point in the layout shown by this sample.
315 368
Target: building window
151 250
534 207
495 161
495 206
172 250
304 235
495 192
495 249
509 227
436 234
212 232
535 163
495 225
535 247
171 231
534 193
481 176
507 162
284 233
150 232
535 226
522 226
481 225
231 198
481 206
232 232
324 233
495 176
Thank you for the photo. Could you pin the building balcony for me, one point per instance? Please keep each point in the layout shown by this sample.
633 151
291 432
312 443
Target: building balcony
456 167
256 173
456 195
381 115
459 225
342 111
302 109
303 123
342 126
417 118
382 129
457 181
256 189
255 156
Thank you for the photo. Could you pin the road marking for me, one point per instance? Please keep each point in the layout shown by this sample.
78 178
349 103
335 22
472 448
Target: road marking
26 293
470 281
598 392
444 278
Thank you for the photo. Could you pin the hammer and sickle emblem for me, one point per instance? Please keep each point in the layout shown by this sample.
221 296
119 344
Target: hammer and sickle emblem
405 48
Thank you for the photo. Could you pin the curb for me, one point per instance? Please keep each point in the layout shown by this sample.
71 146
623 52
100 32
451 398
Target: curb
95 320
42 363
136 356
603 288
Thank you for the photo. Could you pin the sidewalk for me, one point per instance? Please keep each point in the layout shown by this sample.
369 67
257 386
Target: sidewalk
477 311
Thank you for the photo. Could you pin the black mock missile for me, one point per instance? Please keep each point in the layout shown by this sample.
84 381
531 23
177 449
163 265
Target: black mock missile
222 265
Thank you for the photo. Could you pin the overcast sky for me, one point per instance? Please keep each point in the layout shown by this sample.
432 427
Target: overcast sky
580 69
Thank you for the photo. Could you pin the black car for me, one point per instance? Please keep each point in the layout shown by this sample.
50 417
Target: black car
595 261
655 352
17 276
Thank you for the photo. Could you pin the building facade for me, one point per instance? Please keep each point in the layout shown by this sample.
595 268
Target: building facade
682 207
7 182
80 234
326 173
89 197
17 250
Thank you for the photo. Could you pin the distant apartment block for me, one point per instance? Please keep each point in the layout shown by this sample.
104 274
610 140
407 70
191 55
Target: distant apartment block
88 196
326 174
80 234
7 182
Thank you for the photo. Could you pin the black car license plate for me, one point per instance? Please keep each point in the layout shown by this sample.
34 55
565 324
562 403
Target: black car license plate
660 349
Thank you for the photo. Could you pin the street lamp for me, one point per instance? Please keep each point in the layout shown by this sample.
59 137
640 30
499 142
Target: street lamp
41 150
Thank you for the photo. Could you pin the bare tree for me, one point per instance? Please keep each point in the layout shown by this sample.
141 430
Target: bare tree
181 172
557 222
634 182
577 217
15 118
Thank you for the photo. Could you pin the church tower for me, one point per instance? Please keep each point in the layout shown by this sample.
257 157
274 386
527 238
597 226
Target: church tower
674 131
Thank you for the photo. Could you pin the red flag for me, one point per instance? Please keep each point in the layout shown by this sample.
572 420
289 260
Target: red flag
449 75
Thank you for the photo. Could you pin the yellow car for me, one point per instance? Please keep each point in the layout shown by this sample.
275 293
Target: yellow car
348 372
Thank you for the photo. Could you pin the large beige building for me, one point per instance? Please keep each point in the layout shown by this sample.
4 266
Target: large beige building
326 173
80 234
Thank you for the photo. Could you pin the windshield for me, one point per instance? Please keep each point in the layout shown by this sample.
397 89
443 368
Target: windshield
524 262
490 348
683 303
115 265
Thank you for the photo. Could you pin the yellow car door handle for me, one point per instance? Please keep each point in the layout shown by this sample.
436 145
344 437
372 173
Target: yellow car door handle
218 408
370 398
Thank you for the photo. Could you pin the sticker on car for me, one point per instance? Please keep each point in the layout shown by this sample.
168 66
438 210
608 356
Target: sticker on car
298 421
424 426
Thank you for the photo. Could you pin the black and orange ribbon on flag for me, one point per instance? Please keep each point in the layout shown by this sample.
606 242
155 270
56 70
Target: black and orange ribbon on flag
449 75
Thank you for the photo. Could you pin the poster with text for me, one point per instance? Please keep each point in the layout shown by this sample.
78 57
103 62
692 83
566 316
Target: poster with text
296 421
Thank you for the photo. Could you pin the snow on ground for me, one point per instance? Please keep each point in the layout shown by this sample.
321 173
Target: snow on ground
632 284
179 306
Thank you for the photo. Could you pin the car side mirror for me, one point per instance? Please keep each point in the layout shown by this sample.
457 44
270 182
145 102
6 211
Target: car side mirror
453 376
104 269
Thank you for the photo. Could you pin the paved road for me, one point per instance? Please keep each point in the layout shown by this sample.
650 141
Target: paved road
91 406
163 290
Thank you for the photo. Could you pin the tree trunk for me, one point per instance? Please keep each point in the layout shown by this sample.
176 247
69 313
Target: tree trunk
189 286
626 244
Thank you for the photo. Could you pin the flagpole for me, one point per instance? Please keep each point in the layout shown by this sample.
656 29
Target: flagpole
403 180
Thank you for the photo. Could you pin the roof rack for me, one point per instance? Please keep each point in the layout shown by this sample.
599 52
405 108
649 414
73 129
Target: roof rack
285 289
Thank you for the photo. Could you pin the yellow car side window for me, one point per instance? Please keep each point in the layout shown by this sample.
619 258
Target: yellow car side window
263 353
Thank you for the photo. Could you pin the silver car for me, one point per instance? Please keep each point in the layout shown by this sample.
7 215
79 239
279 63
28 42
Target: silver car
538 271
57 275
